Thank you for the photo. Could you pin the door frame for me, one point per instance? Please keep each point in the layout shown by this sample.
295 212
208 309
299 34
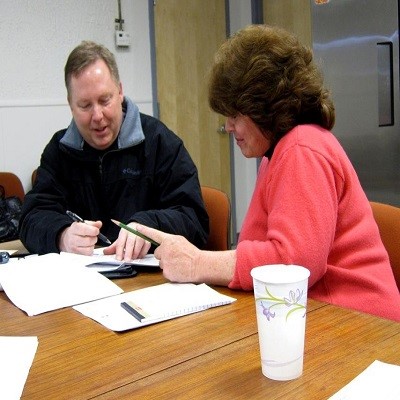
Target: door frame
156 107
256 18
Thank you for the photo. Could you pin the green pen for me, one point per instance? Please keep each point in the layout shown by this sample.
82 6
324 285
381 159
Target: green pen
135 232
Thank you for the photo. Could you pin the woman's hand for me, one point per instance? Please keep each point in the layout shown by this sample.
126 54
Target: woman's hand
178 257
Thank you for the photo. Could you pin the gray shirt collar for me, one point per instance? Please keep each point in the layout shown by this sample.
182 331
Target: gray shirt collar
130 134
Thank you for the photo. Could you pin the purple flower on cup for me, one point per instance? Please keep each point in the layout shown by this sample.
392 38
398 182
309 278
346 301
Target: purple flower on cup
267 312
293 297
292 301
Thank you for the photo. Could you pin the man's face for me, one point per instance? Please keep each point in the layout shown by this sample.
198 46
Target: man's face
95 100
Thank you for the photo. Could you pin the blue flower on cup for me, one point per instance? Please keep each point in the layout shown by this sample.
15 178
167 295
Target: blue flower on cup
292 301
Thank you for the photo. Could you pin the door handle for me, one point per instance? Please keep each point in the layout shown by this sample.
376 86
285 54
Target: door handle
222 129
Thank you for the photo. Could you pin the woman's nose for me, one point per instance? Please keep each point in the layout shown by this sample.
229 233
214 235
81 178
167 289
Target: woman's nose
229 124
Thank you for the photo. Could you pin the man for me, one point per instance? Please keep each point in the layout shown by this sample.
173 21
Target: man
112 162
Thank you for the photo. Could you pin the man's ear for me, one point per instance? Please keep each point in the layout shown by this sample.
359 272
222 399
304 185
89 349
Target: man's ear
121 92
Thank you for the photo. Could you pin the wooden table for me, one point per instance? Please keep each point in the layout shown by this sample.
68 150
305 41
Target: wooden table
209 355
13 245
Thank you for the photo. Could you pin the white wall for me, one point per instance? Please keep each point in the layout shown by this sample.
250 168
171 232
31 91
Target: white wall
36 37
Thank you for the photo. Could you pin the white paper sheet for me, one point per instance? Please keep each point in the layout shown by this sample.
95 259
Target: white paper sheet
378 381
13 260
16 357
52 281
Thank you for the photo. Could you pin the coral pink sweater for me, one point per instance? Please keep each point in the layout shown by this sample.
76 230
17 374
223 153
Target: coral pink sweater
308 208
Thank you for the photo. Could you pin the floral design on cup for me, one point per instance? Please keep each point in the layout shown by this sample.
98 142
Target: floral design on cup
292 302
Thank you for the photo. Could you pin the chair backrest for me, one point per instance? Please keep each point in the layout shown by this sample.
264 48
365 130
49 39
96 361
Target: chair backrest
12 185
387 218
218 207
33 176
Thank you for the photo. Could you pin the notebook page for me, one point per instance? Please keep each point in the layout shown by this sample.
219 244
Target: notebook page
161 302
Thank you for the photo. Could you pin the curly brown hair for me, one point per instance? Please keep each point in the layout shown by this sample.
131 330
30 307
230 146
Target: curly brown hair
265 73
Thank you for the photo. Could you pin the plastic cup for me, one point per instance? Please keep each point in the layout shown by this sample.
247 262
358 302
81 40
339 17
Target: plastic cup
280 293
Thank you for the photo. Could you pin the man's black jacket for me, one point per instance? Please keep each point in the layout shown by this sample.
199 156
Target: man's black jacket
154 182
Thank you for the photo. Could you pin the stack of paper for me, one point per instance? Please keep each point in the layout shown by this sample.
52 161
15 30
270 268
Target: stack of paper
43 283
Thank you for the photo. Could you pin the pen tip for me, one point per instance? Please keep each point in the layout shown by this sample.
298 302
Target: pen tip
115 221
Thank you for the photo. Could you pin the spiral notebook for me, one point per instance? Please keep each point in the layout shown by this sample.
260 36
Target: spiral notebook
153 304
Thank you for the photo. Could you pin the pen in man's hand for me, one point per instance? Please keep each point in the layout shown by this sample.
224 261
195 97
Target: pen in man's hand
135 232
77 218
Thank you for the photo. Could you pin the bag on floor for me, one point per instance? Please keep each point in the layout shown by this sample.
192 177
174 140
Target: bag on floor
10 214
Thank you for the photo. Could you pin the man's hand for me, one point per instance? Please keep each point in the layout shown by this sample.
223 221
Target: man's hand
80 238
128 246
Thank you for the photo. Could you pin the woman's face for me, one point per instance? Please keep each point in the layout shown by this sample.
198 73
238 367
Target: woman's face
248 136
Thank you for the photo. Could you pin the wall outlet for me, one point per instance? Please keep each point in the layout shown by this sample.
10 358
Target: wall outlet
122 39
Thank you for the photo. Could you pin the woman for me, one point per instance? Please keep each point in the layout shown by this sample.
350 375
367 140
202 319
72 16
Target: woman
308 207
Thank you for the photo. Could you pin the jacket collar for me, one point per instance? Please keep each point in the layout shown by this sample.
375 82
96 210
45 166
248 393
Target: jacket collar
130 134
